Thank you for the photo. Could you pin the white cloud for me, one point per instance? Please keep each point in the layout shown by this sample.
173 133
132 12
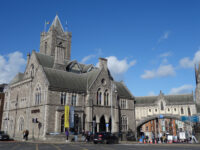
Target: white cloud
10 65
166 54
162 71
182 89
86 58
118 67
186 62
164 36
89 57
151 93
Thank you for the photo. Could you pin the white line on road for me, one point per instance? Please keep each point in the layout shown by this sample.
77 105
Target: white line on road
58 148
36 147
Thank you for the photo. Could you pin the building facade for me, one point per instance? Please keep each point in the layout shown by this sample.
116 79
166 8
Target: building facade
2 97
159 115
35 99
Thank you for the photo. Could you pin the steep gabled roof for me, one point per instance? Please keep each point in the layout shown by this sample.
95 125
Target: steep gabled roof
62 80
123 92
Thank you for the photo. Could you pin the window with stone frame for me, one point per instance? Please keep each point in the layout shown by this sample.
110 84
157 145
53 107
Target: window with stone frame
161 105
63 98
106 98
45 47
73 101
189 111
32 70
182 111
124 121
123 104
38 96
99 97
21 124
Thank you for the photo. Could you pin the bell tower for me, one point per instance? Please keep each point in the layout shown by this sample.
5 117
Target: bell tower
55 35
197 90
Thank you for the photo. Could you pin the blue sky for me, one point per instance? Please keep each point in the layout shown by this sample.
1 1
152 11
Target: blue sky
150 45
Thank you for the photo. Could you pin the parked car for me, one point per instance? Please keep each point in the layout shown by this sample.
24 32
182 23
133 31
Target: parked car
4 136
105 137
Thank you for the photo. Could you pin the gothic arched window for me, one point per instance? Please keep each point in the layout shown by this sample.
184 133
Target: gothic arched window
38 96
106 96
189 112
45 47
182 112
32 70
73 101
162 106
21 124
63 98
99 97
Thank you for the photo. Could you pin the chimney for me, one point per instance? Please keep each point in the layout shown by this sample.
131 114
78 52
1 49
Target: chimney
59 57
103 63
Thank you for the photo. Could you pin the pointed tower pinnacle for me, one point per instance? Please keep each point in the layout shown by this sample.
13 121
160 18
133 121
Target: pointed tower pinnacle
49 40
56 24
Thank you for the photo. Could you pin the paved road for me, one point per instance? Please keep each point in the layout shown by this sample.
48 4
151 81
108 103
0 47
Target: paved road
78 146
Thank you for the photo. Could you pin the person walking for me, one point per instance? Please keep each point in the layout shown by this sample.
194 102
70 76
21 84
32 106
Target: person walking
26 134
67 134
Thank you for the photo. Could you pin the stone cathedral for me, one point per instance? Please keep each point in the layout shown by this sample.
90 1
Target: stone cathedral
35 99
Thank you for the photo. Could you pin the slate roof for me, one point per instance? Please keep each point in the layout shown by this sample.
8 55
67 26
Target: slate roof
170 99
62 80
69 81
123 91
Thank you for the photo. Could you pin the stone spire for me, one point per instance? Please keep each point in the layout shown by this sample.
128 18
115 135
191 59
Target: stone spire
56 24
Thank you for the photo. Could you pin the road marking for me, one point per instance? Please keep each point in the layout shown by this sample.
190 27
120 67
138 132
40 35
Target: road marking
58 148
13 148
79 146
36 147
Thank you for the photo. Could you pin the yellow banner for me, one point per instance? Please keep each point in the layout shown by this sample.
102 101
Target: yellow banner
66 116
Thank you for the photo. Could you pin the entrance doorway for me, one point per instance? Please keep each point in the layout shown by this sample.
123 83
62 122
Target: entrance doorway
62 128
102 125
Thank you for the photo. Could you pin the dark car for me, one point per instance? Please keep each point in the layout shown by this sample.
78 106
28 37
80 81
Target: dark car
4 136
105 137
